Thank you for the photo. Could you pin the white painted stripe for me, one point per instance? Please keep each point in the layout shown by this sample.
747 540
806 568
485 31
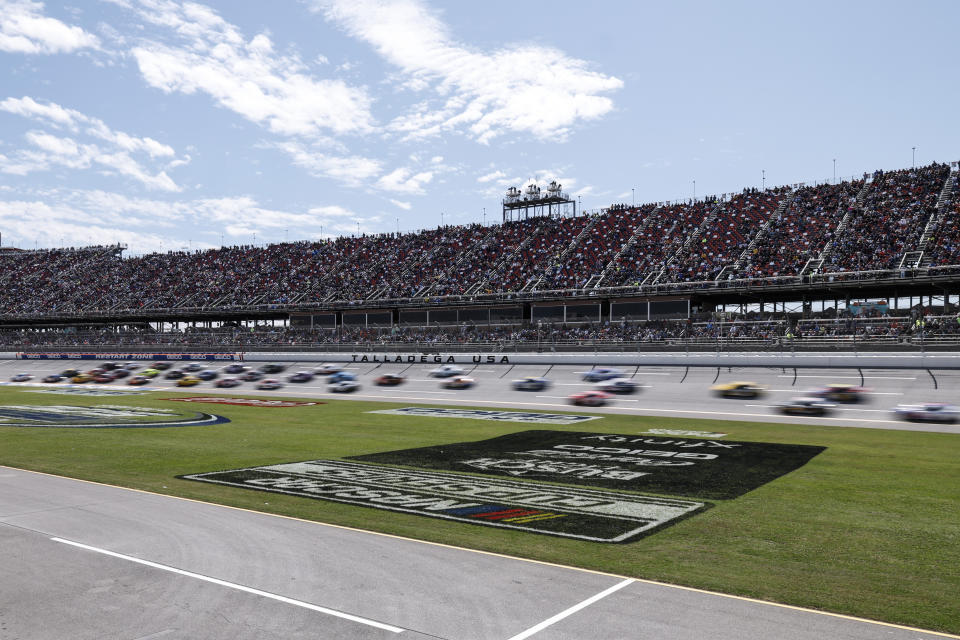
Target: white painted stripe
238 587
848 377
572 610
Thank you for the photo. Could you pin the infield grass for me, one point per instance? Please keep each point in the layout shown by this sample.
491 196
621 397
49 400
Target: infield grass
870 527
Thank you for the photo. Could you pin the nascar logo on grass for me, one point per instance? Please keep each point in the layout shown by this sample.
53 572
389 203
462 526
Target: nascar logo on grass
248 402
101 416
479 414
584 514
85 391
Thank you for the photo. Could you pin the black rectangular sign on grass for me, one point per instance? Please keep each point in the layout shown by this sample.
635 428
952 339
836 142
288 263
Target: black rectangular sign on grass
667 465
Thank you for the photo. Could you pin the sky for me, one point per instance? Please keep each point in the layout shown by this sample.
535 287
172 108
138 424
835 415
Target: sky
166 125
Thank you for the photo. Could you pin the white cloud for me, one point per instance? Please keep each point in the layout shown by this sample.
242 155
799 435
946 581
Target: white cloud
24 29
353 171
50 150
493 175
404 180
406 206
524 88
246 76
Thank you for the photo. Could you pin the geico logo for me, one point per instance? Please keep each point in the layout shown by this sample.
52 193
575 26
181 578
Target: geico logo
380 496
637 452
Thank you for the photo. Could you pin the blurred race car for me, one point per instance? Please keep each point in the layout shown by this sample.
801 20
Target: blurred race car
69 373
269 385
841 393
446 371
53 377
188 381
343 386
301 376
738 390
389 380
273 368
161 366
227 383
103 378
21 377
193 366
207 374
251 376
109 366
176 374
340 376
81 378
805 407
458 382
530 383
130 366
235 368
136 381
928 412
119 373
590 398
602 373
619 385
150 373
328 369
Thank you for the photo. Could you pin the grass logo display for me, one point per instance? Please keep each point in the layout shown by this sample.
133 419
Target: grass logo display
665 465
245 402
86 391
584 514
102 416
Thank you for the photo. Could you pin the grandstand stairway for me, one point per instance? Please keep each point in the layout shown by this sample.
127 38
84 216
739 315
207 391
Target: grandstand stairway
585 232
428 288
737 266
857 205
640 228
708 220
936 220
505 262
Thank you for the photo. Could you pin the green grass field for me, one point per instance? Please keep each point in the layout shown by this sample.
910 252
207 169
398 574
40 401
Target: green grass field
870 527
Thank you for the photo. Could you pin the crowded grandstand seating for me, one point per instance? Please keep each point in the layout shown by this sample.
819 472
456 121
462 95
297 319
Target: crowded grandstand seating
658 244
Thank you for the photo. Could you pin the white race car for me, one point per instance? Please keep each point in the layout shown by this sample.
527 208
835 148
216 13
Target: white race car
928 412
619 385
447 371
343 386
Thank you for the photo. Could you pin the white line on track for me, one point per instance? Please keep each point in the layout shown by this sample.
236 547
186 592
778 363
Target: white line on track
849 377
238 587
568 612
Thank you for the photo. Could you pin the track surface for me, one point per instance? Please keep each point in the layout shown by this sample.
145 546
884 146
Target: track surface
91 561
321 574
667 391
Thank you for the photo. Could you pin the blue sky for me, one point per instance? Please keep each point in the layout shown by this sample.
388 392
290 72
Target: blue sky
166 125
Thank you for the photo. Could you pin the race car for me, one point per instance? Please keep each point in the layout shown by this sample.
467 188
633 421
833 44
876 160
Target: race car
235 368
207 374
251 376
590 398
805 407
69 373
272 368
226 383
21 377
602 373
458 382
269 385
81 378
841 393
738 390
343 386
53 377
136 381
446 371
193 366
130 366
103 378
301 376
161 366
389 380
119 373
109 366
188 381
327 369
530 383
619 385
175 374
928 412
150 373
340 376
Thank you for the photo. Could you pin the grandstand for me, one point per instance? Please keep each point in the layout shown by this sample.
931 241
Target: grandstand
891 235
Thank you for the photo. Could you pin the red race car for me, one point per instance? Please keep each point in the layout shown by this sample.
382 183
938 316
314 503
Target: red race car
590 398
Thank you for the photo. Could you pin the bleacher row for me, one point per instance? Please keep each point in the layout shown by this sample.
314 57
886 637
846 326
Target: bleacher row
886 221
